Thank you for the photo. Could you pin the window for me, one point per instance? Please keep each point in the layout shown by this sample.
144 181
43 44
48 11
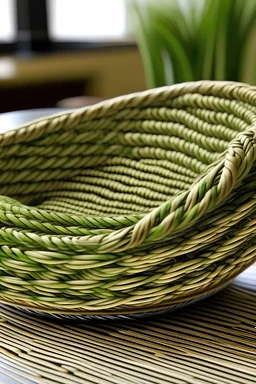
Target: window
7 21
43 25
86 20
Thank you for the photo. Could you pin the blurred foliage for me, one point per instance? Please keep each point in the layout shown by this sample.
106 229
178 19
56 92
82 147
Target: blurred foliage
187 40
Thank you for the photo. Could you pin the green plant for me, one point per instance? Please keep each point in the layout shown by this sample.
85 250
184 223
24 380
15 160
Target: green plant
187 40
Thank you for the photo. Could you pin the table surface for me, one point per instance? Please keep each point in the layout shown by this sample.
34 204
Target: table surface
11 120
212 341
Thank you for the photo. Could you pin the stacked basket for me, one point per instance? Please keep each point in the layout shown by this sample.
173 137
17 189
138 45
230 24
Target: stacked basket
137 204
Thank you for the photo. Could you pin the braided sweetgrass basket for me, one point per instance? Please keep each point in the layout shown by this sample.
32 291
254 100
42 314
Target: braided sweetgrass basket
134 205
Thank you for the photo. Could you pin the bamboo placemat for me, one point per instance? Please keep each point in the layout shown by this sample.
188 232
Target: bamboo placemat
212 341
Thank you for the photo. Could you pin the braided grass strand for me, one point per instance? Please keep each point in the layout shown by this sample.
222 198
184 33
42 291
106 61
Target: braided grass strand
144 201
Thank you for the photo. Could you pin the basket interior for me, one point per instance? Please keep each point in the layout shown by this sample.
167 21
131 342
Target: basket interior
126 163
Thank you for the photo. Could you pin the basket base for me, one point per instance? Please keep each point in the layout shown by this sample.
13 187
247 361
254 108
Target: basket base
76 317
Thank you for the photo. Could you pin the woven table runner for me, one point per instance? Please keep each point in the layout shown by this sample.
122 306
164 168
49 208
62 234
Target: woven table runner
212 341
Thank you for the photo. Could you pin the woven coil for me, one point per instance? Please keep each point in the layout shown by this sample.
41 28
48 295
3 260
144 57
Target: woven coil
136 204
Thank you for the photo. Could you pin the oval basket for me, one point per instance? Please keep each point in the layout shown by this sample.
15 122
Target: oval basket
135 205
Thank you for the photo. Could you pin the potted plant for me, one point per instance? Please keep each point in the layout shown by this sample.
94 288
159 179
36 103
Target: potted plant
187 40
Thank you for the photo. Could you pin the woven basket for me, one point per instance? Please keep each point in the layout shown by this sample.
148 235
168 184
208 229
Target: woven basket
137 204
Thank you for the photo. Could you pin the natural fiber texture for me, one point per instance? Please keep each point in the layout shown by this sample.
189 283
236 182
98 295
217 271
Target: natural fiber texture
136 204
212 342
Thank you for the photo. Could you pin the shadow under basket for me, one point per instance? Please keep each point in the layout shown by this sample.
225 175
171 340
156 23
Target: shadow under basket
134 205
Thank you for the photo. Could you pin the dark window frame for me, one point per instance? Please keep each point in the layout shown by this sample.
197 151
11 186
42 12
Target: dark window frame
33 33
8 47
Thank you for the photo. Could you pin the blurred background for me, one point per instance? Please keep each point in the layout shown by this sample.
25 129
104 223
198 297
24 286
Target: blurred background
54 50
70 53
